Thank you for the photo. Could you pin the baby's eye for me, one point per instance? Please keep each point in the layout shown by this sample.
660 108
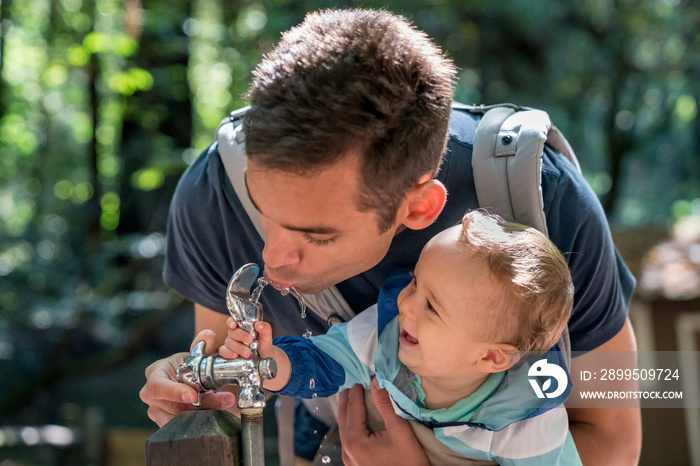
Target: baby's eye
430 307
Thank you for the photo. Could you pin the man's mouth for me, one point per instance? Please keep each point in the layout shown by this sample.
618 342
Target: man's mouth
407 339
277 285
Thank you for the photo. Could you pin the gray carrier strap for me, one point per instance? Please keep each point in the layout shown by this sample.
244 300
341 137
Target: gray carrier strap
231 146
507 164
507 167
558 142
507 161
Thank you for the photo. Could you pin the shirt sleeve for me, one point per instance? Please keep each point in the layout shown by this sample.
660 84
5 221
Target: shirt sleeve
314 373
578 226
326 364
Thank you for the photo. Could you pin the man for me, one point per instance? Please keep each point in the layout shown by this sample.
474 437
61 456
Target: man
349 119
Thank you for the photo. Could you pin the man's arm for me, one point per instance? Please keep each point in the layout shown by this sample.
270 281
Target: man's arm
608 435
206 319
164 395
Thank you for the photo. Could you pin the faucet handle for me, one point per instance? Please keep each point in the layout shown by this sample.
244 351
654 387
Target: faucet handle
190 372
267 368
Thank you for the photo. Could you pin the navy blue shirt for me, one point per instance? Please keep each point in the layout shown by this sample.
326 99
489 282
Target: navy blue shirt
210 236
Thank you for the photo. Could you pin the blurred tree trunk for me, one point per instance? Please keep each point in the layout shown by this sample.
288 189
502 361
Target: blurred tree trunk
92 206
611 39
157 122
618 142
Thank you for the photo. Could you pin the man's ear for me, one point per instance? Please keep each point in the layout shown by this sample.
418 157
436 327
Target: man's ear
424 203
498 357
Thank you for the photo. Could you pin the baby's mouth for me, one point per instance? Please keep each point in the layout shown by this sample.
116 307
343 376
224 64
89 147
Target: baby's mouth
407 339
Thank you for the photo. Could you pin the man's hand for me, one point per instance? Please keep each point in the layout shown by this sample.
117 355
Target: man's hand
396 445
166 397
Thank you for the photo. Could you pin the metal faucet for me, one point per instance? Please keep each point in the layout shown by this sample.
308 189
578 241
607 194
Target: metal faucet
209 373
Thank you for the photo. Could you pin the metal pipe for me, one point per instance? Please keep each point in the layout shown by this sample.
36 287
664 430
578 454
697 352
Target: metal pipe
252 438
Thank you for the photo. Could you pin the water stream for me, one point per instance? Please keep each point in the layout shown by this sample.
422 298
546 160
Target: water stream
295 293
255 295
263 282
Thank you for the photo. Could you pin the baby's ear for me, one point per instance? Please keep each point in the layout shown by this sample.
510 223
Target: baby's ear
423 203
498 357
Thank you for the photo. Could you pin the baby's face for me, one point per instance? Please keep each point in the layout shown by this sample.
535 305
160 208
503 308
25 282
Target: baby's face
442 311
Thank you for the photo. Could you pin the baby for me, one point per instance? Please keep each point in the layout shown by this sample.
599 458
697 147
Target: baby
484 296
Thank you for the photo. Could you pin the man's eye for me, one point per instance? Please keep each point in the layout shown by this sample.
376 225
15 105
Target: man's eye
316 241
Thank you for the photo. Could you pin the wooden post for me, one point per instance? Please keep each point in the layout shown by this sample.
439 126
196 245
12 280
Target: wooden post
202 437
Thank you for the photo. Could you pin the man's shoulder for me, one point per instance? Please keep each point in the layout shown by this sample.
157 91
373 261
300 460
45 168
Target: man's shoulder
204 191
566 192
463 125
201 174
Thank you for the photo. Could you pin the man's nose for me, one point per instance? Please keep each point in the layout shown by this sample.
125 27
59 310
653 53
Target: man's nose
280 249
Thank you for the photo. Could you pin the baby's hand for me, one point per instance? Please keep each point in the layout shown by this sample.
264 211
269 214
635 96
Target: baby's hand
234 347
236 343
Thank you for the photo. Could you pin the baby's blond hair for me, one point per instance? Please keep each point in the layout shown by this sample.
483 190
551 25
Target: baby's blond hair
534 303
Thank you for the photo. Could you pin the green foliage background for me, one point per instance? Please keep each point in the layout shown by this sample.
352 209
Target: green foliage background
104 103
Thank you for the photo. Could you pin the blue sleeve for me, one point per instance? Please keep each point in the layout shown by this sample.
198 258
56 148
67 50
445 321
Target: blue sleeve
341 358
313 371
578 226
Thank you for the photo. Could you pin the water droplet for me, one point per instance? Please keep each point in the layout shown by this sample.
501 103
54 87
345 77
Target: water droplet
308 333
315 407
312 384
326 459
315 432
315 396
284 291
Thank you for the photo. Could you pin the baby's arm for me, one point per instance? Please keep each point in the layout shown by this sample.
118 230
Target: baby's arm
234 347
317 366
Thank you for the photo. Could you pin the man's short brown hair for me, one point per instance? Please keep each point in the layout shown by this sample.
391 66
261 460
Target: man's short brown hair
536 294
353 81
